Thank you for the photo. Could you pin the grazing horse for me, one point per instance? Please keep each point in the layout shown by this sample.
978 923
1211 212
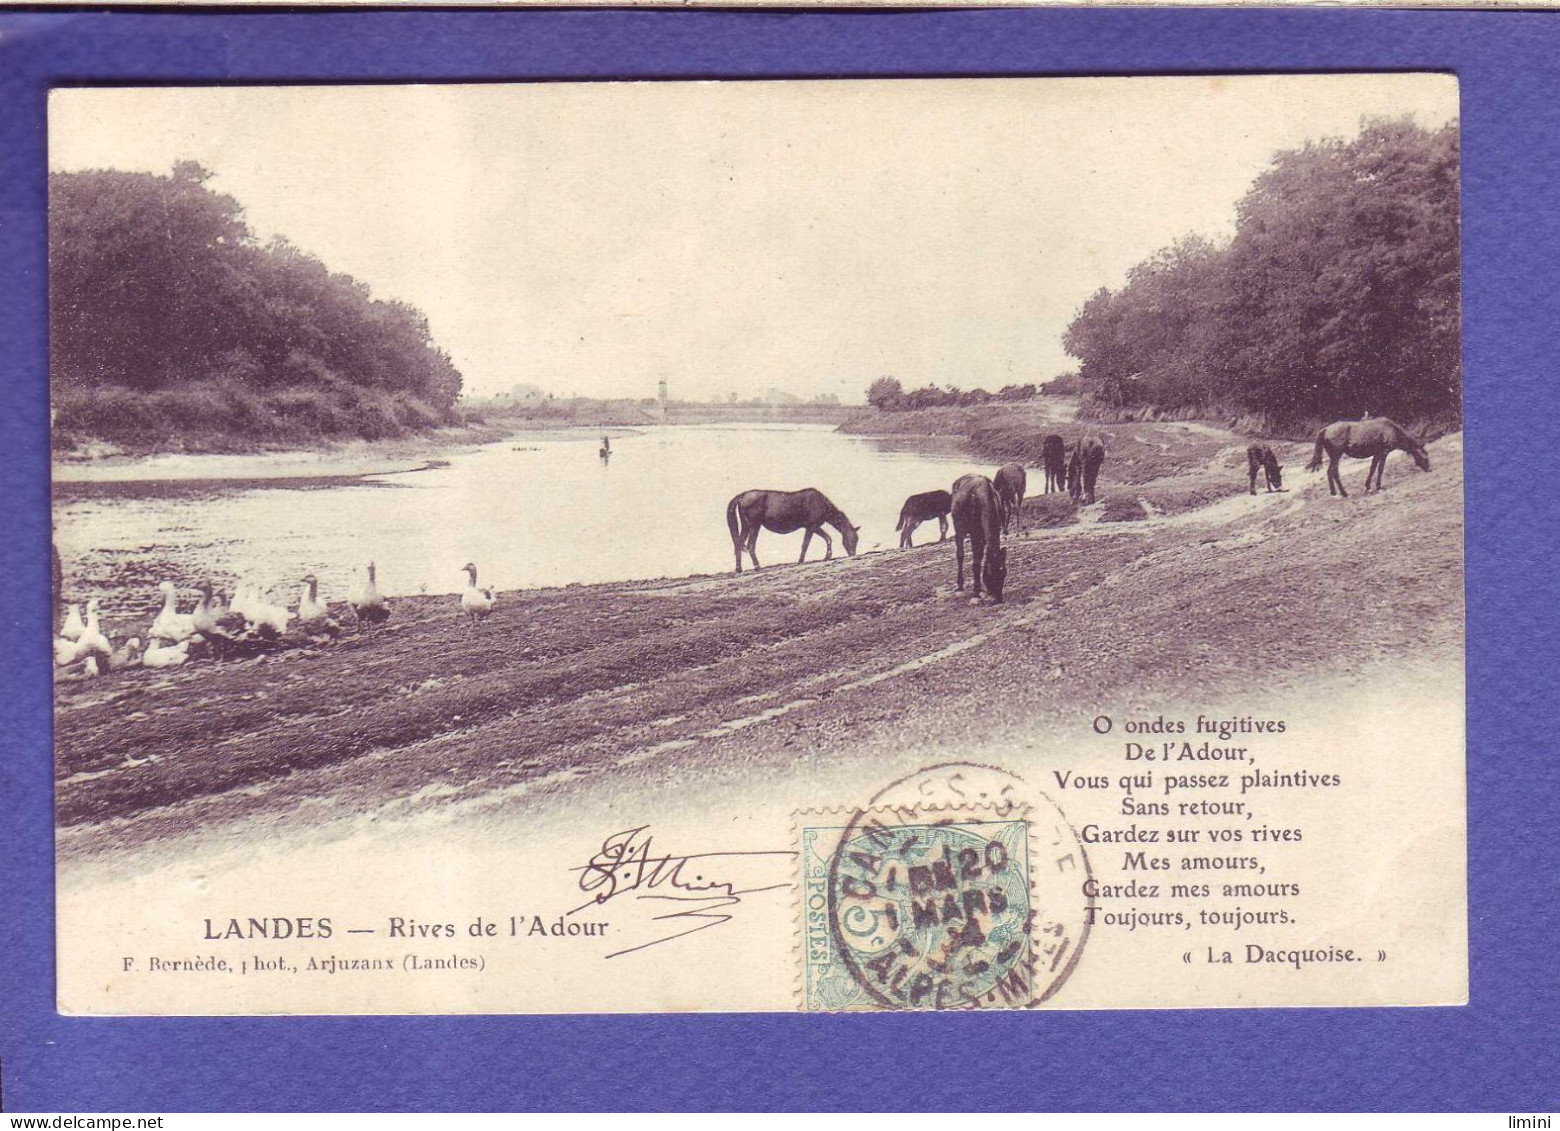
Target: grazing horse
977 515
923 508
783 512
1053 453
1083 471
1009 482
1377 438
1260 457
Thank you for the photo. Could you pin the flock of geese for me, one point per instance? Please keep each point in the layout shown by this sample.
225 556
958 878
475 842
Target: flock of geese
248 624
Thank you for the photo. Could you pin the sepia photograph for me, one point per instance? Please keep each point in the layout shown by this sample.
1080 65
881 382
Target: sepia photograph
828 545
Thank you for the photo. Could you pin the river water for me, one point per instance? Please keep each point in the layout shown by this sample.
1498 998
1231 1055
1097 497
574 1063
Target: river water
528 512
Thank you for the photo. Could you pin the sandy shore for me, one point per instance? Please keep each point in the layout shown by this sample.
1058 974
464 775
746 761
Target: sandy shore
328 463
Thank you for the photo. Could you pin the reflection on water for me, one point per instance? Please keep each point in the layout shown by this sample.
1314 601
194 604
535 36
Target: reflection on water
528 513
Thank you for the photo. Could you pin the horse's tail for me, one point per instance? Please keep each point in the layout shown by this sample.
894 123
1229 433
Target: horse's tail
732 522
904 516
1316 456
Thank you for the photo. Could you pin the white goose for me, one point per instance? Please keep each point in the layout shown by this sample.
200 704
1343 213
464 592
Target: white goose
241 598
314 615
92 640
310 607
171 625
65 652
368 604
267 615
478 603
127 656
208 612
165 656
74 625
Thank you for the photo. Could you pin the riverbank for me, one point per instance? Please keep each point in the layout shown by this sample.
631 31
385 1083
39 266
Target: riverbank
108 463
827 662
985 432
84 459
586 413
1139 453
1002 433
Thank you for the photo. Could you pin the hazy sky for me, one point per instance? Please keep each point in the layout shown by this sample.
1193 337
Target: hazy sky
737 236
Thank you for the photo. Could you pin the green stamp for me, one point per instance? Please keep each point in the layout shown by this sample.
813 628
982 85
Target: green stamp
902 910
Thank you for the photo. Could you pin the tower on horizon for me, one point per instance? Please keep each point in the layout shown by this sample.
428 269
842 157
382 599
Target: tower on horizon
661 396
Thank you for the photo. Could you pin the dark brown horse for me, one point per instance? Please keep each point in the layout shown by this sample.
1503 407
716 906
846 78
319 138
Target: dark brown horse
1083 471
1260 457
1053 453
1009 482
923 508
1376 438
977 515
784 512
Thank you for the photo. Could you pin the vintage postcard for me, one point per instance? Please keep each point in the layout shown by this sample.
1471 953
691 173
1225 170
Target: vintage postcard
729 546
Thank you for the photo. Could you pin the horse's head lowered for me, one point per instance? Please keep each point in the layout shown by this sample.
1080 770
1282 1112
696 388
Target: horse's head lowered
1421 457
849 535
994 575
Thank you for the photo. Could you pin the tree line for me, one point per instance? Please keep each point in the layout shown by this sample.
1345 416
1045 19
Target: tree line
888 395
1338 296
171 325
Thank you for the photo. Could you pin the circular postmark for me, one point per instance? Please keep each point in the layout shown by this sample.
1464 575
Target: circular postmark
933 912
959 886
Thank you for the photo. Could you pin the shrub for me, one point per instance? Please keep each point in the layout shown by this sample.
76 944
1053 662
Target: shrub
110 412
313 410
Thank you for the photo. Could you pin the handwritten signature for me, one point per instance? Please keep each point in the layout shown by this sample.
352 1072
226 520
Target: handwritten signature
628 863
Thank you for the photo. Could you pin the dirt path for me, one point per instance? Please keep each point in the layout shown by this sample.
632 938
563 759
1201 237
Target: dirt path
1180 585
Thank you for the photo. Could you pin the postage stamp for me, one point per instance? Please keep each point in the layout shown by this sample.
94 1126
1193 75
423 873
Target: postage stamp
918 911
946 892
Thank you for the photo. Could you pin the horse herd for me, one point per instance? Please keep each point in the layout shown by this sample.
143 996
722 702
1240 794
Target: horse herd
983 509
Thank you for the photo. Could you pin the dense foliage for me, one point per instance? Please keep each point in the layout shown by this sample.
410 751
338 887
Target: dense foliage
170 324
1339 295
888 395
